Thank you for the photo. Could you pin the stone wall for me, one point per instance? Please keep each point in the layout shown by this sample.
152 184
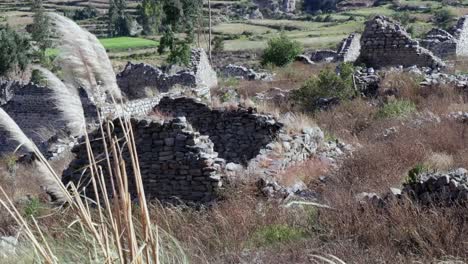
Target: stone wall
386 43
176 163
460 32
141 80
448 44
238 135
134 108
7 89
441 43
350 48
241 72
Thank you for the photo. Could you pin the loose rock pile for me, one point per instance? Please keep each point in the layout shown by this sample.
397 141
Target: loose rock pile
439 188
244 73
430 188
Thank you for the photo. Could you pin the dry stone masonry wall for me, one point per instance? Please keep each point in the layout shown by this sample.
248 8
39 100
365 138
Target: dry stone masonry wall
349 49
441 43
176 162
141 80
460 32
238 135
386 43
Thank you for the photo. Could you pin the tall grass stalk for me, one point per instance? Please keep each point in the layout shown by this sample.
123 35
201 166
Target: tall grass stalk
112 228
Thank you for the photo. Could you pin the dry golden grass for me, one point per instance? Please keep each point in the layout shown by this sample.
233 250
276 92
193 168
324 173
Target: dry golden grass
307 172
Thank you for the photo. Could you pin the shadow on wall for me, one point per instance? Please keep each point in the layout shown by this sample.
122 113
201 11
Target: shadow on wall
238 135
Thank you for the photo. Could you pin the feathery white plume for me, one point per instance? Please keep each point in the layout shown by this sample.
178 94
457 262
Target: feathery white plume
14 132
84 60
67 101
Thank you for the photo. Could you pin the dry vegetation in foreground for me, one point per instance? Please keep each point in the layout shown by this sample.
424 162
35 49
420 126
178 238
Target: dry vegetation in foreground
246 228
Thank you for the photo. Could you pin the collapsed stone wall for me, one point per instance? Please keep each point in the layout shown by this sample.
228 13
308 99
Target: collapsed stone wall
141 80
238 135
441 43
176 163
386 43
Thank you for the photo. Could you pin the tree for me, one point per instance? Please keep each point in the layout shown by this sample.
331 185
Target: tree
150 16
281 51
120 23
14 51
180 16
40 29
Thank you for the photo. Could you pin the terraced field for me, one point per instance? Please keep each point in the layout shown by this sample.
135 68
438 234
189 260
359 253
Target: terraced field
17 12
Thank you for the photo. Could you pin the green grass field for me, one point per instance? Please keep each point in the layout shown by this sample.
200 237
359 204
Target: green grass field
125 43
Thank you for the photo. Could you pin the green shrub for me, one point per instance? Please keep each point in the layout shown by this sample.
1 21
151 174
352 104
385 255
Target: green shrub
274 234
415 172
180 54
327 84
281 51
397 109
32 208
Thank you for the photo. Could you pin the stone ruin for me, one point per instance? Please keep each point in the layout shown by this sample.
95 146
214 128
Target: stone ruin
183 148
176 162
33 107
441 43
348 50
386 43
429 189
238 135
183 157
241 72
448 45
142 81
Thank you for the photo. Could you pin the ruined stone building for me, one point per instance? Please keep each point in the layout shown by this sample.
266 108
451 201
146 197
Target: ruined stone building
142 81
448 44
386 43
